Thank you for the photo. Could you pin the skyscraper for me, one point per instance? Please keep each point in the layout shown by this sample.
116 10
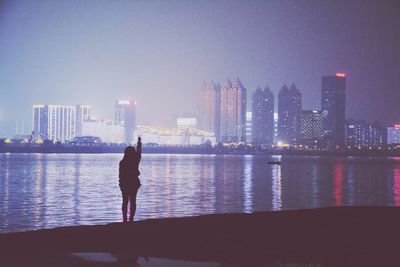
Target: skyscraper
209 108
125 114
312 128
263 117
289 107
54 122
360 134
333 92
233 112
393 135
83 113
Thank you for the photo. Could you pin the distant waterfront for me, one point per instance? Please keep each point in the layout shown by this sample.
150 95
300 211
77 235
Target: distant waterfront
230 149
49 190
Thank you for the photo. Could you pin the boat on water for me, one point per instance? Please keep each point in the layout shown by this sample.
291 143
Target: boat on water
275 162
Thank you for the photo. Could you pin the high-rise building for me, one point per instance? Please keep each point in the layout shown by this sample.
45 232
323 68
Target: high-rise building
209 109
393 135
119 110
40 122
360 134
263 117
312 128
333 92
125 114
249 116
289 108
233 112
54 122
83 113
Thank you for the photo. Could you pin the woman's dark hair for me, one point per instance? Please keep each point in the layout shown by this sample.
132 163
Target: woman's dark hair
129 153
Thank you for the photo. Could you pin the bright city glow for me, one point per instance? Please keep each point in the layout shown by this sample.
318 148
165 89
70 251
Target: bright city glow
343 75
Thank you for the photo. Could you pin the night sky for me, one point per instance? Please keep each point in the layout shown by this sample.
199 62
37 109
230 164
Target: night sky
160 52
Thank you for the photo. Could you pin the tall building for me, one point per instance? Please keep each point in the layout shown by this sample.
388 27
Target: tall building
125 114
393 134
233 112
360 134
40 122
333 92
119 110
312 128
209 108
249 116
263 117
289 108
83 113
54 122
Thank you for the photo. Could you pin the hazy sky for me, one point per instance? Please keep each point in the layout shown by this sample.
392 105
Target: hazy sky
160 52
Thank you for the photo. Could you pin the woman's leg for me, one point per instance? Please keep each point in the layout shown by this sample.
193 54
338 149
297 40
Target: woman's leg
132 198
125 200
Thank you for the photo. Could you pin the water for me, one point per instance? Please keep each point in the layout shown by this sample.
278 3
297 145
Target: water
50 190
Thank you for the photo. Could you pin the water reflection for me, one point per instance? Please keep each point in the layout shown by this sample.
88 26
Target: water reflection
276 187
39 190
338 182
248 184
396 186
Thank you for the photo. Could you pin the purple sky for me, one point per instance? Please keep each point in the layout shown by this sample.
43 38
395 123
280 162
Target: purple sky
160 52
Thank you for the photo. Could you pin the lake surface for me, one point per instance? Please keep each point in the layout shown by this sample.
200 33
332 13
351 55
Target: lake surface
51 190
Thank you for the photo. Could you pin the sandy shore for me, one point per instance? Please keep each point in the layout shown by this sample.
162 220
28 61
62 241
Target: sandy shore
345 236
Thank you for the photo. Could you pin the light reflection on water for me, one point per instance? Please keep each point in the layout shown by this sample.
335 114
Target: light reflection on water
49 190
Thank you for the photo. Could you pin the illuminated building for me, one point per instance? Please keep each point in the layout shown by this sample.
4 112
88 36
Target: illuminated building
275 127
249 116
186 122
54 122
333 92
360 134
125 114
209 108
289 107
83 113
233 112
263 117
174 136
393 134
312 128
107 130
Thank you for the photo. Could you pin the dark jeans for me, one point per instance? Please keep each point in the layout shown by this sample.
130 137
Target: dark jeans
129 196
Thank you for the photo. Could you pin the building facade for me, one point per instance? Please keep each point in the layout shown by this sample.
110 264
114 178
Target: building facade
107 130
125 114
393 135
83 113
289 108
209 108
233 112
361 135
54 122
249 119
333 101
262 117
312 128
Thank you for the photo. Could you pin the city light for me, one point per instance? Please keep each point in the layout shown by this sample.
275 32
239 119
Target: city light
342 75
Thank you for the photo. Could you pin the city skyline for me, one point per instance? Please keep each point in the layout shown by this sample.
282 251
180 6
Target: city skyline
59 53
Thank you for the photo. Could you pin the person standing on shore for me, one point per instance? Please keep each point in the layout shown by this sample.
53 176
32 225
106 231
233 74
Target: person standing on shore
129 182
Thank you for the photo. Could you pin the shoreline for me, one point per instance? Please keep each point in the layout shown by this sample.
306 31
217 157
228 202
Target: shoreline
199 150
342 236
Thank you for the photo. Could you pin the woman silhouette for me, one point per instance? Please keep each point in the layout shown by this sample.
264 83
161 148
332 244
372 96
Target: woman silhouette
129 179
